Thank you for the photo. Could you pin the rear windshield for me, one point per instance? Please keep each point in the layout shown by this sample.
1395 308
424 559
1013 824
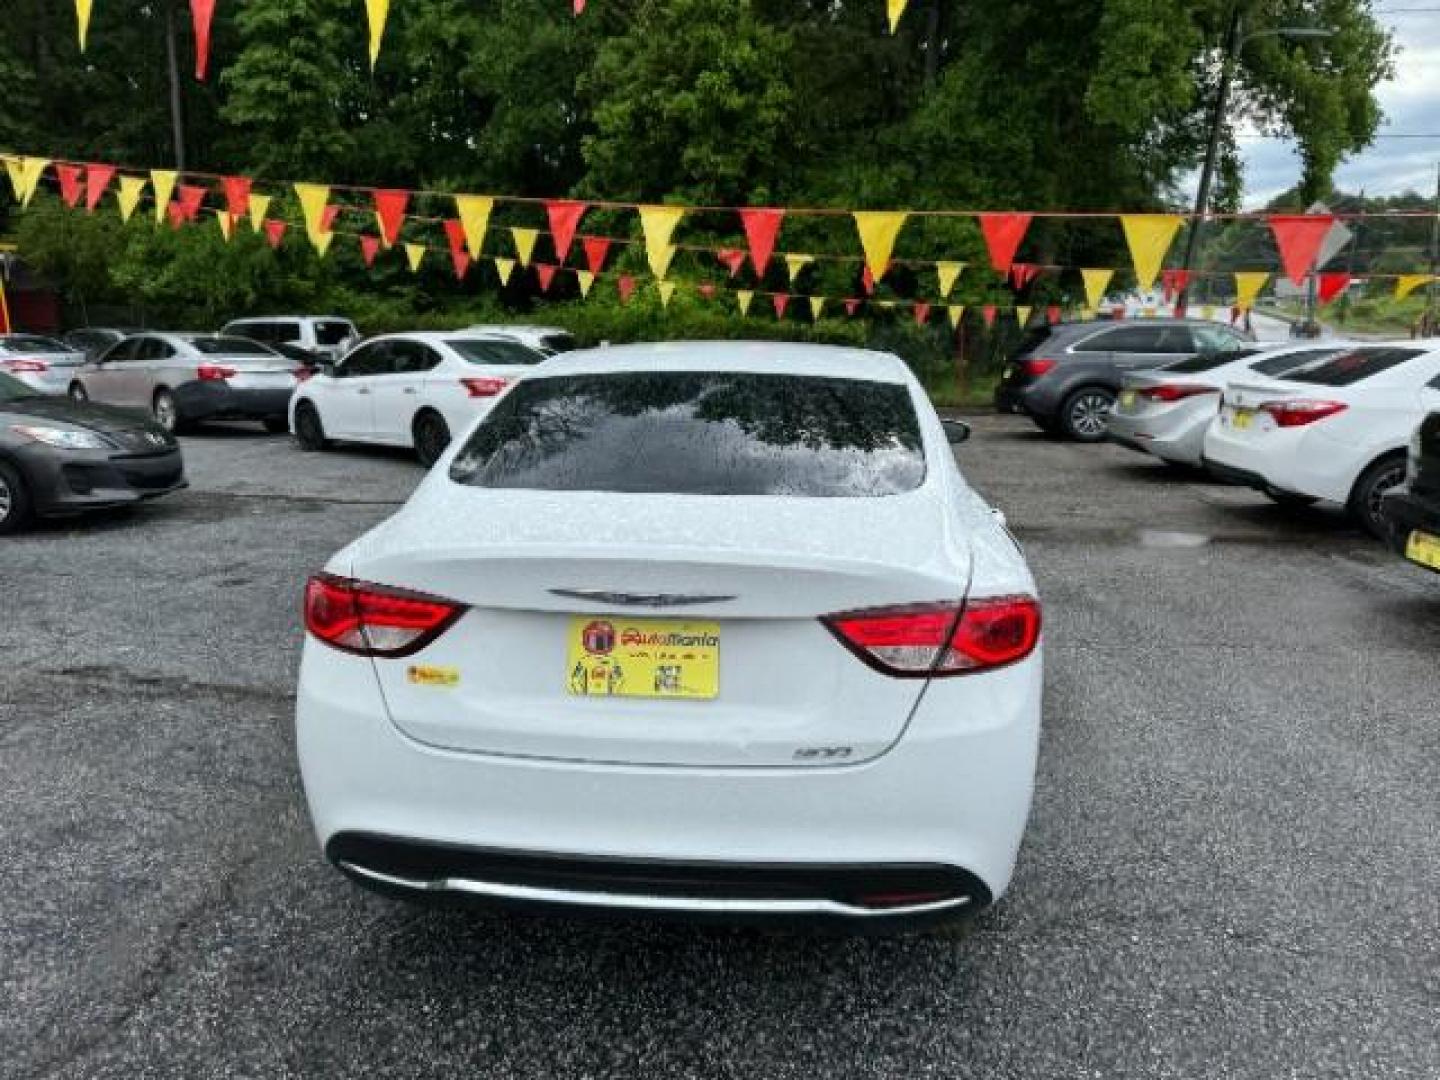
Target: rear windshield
1291 361
228 346
1194 365
332 332
1352 367
28 343
700 433
504 353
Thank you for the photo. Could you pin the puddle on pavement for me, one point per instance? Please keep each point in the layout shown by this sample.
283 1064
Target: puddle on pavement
1177 539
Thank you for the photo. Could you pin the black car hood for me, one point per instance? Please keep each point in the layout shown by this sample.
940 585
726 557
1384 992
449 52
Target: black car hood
101 418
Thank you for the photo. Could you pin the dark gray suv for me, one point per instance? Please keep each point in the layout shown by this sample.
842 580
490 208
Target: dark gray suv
1066 377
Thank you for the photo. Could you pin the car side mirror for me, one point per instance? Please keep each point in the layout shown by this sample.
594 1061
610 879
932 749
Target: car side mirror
957 431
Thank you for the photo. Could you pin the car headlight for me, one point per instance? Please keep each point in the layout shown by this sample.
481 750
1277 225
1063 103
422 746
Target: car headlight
61 438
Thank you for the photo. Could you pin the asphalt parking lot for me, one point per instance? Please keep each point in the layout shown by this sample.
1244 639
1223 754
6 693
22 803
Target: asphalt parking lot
1233 867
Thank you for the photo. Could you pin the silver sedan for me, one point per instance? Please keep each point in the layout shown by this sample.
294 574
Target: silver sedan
43 364
183 379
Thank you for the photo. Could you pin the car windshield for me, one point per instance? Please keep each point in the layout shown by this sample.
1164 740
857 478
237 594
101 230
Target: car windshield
31 343
557 343
12 389
704 433
503 353
1287 362
228 346
1194 365
1353 367
333 332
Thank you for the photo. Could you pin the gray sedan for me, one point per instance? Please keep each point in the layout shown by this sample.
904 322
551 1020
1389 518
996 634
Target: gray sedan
186 378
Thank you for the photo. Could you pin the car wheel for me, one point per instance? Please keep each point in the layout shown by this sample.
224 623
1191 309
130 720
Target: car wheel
78 393
1369 492
309 431
1289 499
16 509
432 436
277 425
1084 412
166 411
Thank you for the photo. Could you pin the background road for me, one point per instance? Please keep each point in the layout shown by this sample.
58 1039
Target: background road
1233 869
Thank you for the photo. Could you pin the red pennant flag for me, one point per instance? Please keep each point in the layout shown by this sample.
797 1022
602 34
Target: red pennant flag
237 195
781 302
852 306
327 218
369 248
546 273
1180 307
1299 236
868 280
626 285
176 213
455 234
580 9
1331 285
190 199
596 249
1052 314
1022 274
922 312
1003 233
97 179
201 12
1175 282
989 312
762 226
461 261
390 207
274 232
707 291
69 183
731 259
565 218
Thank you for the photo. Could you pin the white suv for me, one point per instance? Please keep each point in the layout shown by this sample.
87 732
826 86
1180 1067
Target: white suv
329 338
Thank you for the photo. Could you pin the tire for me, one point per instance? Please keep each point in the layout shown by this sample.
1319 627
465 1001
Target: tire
1082 417
431 435
78 393
1365 498
1289 499
277 425
309 431
17 509
166 411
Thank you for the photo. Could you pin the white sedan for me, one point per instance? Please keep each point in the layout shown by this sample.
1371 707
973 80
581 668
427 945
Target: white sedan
1334 431
1165 411
410 390
697 629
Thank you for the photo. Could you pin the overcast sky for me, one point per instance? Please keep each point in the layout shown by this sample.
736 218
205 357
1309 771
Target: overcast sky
1411 102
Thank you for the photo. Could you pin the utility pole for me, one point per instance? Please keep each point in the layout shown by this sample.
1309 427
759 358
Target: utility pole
1432 316
1212 149
177 114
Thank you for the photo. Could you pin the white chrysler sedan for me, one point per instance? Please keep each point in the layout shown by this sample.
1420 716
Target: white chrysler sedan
410 390
695 629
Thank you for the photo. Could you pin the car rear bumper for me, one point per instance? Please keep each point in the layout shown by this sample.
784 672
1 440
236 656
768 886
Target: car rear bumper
1009 399
1164 437
216 401
947 804
72 482
1407 513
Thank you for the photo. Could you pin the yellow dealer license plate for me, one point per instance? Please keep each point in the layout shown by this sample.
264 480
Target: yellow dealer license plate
1243 419
1127 399
648 658
1424 549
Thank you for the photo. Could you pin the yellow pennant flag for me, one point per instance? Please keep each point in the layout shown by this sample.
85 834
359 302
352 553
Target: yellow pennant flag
795 264
322 243
163 181
474 212
667 290
659 223
226 223
817 307
744 297
878 232
33 168
506 269
1405 284
525 243
82 18
1096 282
15 167
586 279
1149 237
1248 284
131 188
378 11
895 9
259 207
414 255
1022 315
948 273
313 198
956 313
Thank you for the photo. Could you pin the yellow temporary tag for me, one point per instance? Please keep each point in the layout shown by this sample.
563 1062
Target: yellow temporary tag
425 675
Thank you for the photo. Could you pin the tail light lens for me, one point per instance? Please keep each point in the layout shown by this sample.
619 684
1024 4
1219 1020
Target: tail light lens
213 373
484 387
31 367
1289 414
1170 392
921 640
1037 366
374 620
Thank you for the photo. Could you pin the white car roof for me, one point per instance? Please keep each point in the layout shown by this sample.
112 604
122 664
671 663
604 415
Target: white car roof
786 358
442 337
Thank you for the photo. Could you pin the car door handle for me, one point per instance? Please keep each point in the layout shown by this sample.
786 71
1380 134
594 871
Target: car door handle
409 390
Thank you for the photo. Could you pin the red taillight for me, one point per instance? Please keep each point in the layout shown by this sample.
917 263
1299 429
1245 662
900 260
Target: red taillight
374 620
484 387
25 366
1300 413
1037 366
302 373
1168 392
213 373
935 639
